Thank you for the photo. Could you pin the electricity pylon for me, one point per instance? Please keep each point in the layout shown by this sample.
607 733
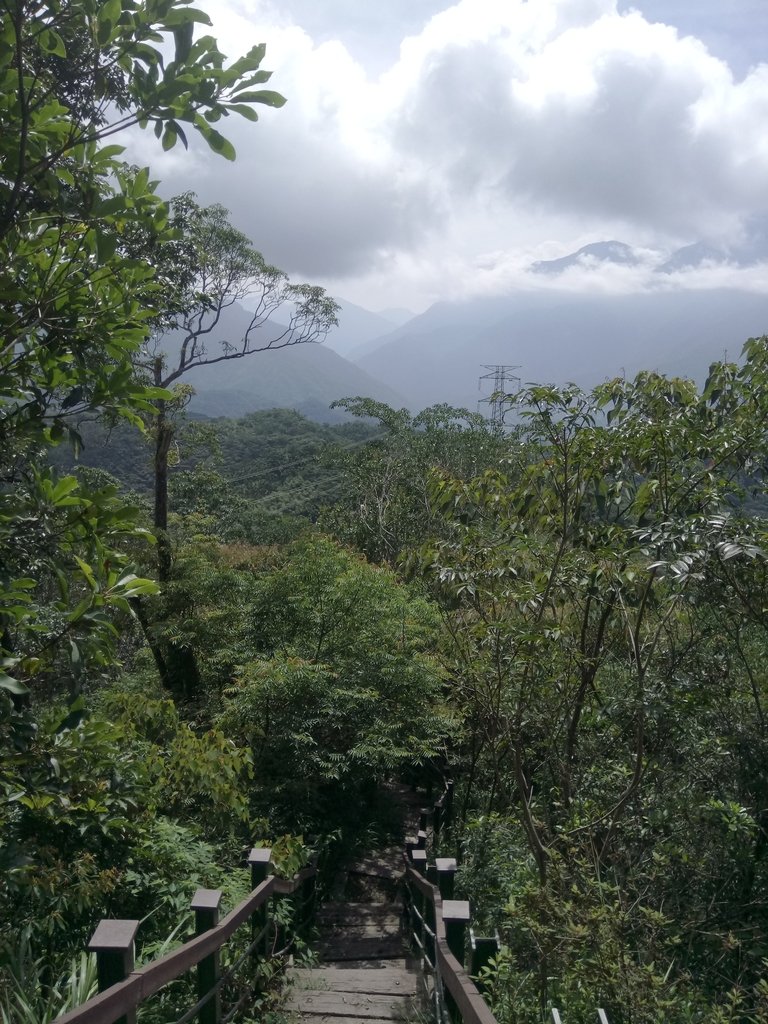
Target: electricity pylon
501 375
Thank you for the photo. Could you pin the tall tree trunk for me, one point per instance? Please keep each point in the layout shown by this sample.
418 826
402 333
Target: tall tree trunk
177 665
163 438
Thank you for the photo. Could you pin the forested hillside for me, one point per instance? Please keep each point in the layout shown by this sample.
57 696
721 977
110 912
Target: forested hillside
220 634
276 456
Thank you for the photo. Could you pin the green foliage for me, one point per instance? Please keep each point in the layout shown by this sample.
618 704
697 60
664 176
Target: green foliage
603 591
28 997
248 479
384 507
77 231
97 820
342 686
193 777
73 793
79 293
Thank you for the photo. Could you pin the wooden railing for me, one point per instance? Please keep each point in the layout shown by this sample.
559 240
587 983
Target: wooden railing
438 926
438 933
122 989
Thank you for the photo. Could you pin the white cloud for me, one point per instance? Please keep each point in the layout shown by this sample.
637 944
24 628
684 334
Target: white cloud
499 128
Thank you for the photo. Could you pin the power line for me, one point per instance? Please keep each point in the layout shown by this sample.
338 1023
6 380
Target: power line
257 474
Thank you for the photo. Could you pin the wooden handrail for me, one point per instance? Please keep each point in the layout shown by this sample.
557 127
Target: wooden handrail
450 974
126 996
469 1002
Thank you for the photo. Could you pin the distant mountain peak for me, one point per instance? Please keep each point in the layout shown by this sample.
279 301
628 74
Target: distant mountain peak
691 256
606 252
356 326
396 315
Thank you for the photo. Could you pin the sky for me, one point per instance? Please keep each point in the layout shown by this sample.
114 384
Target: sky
431 151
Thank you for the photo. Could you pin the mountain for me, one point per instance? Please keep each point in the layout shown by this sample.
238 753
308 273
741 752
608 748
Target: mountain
557 336
397 316
605 252
753 249
356 326
691 256
303 377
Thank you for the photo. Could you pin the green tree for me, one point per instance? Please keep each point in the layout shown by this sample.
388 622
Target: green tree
603 595
341 683
385 506
220 269
209 268
79 300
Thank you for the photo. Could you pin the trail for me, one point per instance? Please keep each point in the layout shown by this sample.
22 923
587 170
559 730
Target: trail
364 974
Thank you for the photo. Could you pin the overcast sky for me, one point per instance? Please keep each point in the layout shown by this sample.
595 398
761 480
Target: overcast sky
430 150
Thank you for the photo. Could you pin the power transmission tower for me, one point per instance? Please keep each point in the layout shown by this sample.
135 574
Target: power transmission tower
501 375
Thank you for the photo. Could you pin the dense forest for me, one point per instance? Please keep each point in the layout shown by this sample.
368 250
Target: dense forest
221 633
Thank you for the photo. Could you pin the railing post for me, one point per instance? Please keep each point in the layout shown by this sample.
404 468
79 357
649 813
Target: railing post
258 859
112 942
456 918
205 904
419 860
482 949
446 874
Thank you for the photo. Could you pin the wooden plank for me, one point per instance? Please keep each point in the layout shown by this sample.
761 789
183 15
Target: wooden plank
359 931
348 911
113 935
378 947
351 1004
328 1019
389 923
345 979
387 865
382 926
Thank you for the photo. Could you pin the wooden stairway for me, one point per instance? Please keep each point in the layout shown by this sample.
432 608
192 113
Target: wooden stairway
365 975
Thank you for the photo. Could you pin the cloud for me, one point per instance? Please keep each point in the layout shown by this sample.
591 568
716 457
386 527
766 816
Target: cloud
601 114
496 128
316 191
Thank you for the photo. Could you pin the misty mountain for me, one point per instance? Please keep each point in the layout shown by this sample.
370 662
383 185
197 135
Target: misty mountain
691 256
557 337
397 316
357 326
606 252
753 249
303 377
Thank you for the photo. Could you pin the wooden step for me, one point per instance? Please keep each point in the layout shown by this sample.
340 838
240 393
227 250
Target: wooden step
346 947
361 931
388 864
338 909
331 1019
358 921
361 1005
393 976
